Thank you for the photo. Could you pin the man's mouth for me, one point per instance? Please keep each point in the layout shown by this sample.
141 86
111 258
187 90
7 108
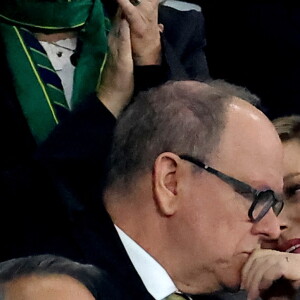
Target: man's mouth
291 246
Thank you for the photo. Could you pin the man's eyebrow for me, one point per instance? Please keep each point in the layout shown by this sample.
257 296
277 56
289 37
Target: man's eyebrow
291 175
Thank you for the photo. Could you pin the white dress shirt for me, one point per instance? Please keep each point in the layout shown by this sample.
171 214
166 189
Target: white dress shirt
155 278
59 55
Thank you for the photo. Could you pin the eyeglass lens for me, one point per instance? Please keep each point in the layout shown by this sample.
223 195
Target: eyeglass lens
263 202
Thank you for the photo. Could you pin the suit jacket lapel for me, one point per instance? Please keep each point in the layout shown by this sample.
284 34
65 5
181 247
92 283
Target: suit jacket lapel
101 246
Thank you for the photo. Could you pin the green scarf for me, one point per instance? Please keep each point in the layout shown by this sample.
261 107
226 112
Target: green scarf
35 97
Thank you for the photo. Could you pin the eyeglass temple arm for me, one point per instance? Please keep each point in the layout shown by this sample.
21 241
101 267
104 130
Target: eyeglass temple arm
238 184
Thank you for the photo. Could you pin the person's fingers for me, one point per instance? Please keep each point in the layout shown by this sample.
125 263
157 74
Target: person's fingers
120 54
114 33
266 266
130 11
129 7
124 50
144 31
124 33
119 37
261 279
251 277
248 265
116 86
137 14
254 268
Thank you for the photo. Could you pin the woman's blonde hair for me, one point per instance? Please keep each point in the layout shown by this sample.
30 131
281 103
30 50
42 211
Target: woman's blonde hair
288 127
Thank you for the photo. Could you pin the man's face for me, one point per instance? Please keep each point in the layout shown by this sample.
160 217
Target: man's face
221 236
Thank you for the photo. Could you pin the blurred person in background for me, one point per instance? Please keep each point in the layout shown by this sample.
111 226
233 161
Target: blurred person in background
50 277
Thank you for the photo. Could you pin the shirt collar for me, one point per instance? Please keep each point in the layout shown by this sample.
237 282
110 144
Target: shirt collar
155 278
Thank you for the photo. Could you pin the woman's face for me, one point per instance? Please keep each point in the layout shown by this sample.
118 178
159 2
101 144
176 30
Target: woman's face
290 216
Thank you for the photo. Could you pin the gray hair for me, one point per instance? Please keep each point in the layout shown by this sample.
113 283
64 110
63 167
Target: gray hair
179 116
234 90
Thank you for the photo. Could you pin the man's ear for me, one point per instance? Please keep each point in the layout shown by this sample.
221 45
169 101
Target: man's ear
165 182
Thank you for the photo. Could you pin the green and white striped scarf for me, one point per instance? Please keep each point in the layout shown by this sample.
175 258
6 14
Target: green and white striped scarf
35 97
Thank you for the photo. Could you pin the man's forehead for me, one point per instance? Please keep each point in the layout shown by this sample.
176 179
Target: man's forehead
242 116
247 127
249 146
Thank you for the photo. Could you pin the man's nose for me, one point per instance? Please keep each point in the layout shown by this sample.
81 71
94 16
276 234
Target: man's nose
268 227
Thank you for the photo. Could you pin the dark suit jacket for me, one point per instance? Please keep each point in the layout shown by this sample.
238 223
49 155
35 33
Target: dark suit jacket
41 214
38 219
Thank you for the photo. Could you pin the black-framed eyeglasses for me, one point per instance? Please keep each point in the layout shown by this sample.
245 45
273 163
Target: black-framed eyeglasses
262 200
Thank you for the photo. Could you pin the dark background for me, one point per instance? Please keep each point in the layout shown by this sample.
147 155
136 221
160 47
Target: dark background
256 44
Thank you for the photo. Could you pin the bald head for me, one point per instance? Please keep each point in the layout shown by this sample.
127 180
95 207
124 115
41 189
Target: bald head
250 139
181 117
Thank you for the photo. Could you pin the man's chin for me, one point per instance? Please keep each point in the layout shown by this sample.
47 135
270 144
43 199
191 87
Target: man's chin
231 284
231 289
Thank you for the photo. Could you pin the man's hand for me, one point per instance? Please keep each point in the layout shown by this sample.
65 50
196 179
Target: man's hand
116 86
265 267
144 31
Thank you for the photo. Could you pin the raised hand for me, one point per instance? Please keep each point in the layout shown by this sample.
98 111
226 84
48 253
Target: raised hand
116 86
142 16
271 273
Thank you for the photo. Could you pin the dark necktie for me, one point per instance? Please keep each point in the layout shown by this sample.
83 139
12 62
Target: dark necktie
47 73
